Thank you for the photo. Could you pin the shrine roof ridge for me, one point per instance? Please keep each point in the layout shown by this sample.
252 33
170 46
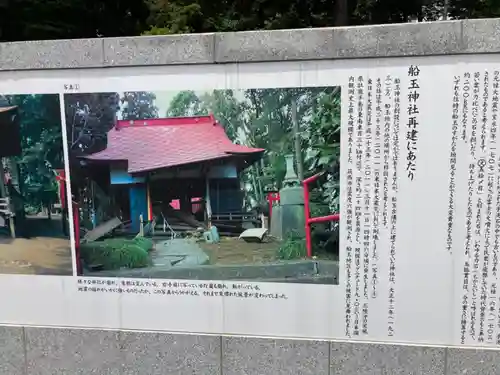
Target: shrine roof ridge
393 40
167 121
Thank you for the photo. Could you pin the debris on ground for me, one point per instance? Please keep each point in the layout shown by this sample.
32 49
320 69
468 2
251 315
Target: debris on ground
102 230
253 235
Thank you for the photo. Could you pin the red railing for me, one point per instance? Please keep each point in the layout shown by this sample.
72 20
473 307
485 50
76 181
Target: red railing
307 213
196 205
61 180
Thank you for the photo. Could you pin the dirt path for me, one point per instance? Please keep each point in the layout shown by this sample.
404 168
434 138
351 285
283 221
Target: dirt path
45 252
235 251
231 250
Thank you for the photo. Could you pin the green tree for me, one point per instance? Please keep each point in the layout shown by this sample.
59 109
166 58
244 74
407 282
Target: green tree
322 140
182 16
461 9
55 19
228 109
42 152
186 103
262 118
172 17
138 105
270 124
223 103
89 117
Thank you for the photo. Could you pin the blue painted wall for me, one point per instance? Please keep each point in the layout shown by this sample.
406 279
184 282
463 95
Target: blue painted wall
138 205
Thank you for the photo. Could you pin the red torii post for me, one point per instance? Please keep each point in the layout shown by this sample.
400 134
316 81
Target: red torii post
76 228
307 213
61 180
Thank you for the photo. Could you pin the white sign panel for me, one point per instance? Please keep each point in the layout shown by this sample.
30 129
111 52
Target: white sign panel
403 149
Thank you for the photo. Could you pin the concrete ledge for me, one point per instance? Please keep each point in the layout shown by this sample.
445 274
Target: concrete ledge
276 45
304 272
52 54
410 39
481 36
159 50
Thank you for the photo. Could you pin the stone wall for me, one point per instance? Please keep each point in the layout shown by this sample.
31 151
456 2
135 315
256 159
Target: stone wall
48 351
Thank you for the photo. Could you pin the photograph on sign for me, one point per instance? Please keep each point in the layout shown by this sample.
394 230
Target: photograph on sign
34 226
207 185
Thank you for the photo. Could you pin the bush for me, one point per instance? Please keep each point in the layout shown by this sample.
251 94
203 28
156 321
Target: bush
294 247
145 243
116 253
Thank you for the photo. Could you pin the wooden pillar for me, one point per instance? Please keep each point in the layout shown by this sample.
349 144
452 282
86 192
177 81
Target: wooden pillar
4 194
208 205
185 203
150 203
61 193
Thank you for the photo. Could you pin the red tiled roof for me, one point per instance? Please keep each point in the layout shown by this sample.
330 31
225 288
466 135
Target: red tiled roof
168 142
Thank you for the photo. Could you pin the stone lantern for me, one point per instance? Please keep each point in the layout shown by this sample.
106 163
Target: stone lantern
289 216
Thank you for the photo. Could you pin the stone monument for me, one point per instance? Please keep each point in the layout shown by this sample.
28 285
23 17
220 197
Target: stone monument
288 217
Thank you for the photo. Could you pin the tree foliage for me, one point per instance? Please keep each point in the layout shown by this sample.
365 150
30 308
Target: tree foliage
89 117
41 142
138 105
263 118
56 19
186 103
181 16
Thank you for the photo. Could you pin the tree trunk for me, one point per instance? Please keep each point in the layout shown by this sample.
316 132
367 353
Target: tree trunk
254 186
258 179
4 194
341 13
296 134
446 9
